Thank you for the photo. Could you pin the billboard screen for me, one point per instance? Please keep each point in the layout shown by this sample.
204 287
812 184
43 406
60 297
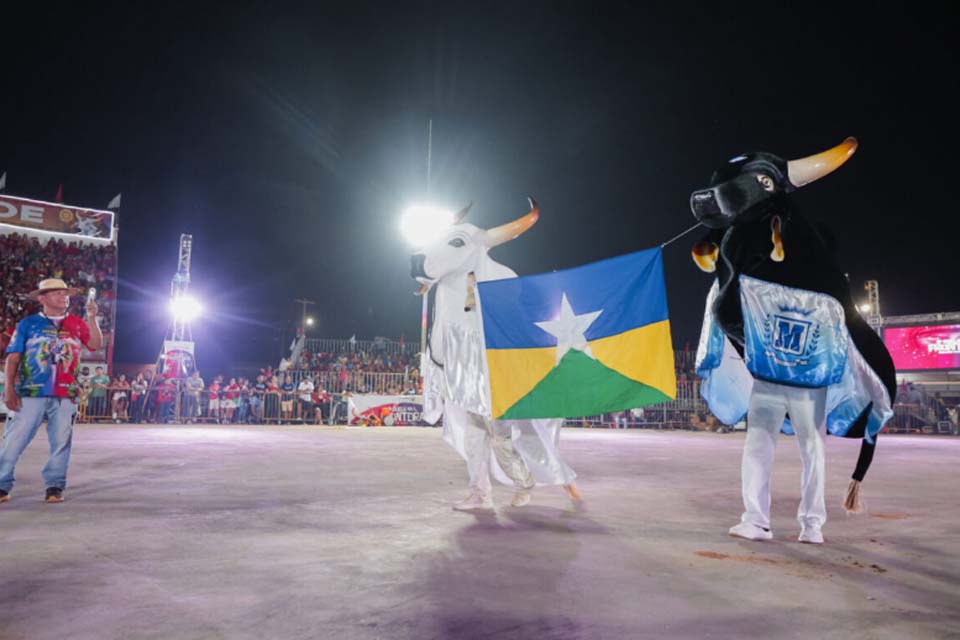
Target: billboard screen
925 347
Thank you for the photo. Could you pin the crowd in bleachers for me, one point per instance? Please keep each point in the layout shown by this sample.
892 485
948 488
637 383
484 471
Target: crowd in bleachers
25 260
357 360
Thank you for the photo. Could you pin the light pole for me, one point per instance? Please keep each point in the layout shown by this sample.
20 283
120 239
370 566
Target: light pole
303 316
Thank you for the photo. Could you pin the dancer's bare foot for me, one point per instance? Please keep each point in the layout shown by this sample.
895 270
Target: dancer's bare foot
521 498
573 492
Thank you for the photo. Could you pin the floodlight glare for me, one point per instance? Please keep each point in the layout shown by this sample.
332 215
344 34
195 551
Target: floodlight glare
184 308
421 224
309 322
865 308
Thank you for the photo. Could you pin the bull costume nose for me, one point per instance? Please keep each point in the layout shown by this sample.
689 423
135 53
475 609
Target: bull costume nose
417 261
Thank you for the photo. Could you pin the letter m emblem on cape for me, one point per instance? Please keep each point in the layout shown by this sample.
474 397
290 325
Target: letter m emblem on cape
790 335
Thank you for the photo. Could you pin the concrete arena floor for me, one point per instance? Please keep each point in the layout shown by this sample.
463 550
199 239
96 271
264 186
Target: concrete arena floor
306 532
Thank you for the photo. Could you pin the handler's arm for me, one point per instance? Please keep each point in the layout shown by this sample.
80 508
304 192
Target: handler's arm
96 338
12 371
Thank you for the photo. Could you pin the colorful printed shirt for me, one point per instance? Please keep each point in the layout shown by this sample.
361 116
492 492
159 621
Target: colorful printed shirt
51 355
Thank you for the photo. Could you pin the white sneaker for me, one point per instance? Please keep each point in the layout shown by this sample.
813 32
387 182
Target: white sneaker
521 498
474 501
811 534
750 531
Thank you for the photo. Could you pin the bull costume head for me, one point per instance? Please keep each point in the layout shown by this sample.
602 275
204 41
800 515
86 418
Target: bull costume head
447 268
754 230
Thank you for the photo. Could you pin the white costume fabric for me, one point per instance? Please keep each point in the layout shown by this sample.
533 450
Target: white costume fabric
517 452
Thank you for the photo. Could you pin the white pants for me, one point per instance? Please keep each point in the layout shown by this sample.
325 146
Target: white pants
769 404
483 437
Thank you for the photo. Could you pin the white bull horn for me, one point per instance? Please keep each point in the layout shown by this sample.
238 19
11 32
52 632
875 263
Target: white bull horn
457 219
509 231
803 171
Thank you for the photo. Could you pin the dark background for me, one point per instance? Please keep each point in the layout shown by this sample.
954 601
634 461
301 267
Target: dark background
288 138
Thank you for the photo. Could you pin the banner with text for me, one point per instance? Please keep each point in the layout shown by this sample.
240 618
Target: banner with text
177 359
56 217
385 411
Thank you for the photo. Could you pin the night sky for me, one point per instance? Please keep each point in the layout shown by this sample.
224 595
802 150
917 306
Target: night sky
288 140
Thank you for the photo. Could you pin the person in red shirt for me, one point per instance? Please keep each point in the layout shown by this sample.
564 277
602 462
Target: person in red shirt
213 408
231 396
166 394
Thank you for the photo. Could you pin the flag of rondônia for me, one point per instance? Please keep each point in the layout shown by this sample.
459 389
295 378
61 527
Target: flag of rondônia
579 342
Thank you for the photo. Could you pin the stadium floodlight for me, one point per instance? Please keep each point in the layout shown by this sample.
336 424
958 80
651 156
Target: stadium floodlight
185 308
421 224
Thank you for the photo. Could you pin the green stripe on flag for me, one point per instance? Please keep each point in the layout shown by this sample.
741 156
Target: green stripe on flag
582 386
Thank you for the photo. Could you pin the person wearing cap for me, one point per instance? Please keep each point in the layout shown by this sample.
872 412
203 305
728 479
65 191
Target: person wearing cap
42 361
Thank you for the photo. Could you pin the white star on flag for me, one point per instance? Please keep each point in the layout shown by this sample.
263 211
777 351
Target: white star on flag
569 329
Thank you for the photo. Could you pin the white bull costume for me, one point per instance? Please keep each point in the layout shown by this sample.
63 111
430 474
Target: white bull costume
523 453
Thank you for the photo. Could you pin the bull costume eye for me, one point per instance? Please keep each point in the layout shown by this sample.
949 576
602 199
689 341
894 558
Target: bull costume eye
457 242
766 182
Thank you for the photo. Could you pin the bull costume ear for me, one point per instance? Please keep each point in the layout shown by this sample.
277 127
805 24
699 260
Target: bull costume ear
777 254
509 231
803 171
705 254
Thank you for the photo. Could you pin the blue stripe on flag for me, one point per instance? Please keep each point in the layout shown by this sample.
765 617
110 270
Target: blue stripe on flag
629 289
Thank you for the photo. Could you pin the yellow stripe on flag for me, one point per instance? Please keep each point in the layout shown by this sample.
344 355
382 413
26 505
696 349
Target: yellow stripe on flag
644 354
515 372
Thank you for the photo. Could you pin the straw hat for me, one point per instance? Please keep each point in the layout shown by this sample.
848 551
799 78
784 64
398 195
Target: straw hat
51 284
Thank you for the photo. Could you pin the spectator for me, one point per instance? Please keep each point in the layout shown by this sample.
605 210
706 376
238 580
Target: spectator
271 400
193 387
243 415
231 396
98 395
287 390
121 398
213 397
166 394
305 390
259 390
137 401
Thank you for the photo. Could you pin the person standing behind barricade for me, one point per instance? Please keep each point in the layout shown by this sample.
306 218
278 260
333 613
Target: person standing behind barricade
42 360
98 395
213 400
120 398
287 390
271 401
137 390
243 408
257 399
165 400
193 387
305 391
231 396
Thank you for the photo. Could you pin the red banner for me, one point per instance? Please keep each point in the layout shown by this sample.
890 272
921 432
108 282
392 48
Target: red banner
57 218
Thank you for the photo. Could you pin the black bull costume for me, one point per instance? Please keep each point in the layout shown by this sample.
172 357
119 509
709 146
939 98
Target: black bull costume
782 304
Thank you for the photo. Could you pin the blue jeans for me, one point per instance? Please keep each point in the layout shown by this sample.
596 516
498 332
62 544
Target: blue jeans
21 428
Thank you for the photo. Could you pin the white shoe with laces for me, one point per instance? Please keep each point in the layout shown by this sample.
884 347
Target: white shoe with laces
750 531
474 501
811 534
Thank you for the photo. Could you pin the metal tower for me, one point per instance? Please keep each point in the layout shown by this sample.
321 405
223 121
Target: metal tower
872 316
181 329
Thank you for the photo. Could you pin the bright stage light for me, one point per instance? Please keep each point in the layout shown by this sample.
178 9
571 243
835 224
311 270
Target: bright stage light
865 308
309 322
421 224
185 308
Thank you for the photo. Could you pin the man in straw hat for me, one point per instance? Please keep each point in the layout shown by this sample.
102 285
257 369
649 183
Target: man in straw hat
42 361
